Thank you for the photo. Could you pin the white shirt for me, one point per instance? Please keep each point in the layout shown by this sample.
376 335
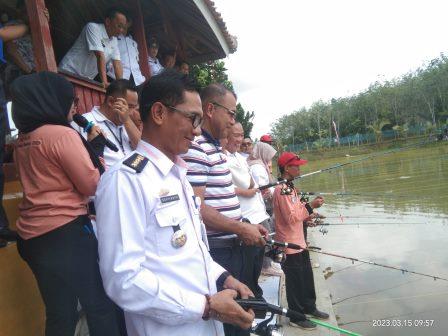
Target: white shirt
114 133
160 288
252 208
129 60
260 175
81 59
155 66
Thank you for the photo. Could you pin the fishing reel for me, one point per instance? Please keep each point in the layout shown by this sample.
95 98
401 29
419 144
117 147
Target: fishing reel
276 254
264 328
304 198
261 309
322 229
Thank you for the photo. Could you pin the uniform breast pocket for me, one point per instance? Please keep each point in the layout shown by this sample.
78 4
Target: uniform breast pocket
170 231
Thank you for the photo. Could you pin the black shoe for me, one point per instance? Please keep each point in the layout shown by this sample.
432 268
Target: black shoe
3 243
7 234
319 315
305 324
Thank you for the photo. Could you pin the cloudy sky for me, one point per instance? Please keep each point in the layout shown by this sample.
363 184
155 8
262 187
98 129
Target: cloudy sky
294 52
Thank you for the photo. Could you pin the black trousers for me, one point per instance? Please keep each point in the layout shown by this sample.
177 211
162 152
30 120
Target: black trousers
299 280
253 263
233 259
65 264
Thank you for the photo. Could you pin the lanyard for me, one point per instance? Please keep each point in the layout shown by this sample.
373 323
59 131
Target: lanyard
119 140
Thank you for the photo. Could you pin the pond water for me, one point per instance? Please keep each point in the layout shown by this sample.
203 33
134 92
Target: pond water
399 217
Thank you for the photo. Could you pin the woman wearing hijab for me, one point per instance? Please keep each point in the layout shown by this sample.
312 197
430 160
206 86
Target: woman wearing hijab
260 164
58 172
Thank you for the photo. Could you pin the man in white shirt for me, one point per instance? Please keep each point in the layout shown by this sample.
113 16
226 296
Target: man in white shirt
154 63
113 117
246 147
252 205
152 245
95 47
129 59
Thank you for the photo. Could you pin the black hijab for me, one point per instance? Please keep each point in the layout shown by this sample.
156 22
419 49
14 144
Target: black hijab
40 99
44 98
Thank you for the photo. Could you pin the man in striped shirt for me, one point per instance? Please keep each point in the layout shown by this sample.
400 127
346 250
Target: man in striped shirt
209 174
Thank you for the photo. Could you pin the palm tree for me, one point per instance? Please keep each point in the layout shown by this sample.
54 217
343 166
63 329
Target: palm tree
377 128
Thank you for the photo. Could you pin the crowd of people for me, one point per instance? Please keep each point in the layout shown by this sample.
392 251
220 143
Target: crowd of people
106 51
149 215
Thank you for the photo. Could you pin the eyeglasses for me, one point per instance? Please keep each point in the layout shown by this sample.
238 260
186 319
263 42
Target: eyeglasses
229 111
196 119
246 144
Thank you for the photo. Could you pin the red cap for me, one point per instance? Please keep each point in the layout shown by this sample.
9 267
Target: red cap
266 138
290 159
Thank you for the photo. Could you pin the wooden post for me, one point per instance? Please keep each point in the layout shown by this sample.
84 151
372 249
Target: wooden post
40 33
140 37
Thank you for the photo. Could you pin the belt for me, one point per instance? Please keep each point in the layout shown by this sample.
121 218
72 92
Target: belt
224 242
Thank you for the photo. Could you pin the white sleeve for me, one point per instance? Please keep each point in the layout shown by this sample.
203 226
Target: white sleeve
259 174
93 37
215 269
110 69
122 224
115 50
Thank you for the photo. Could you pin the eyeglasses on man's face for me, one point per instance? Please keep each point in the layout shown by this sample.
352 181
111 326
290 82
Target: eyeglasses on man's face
229 111
196 118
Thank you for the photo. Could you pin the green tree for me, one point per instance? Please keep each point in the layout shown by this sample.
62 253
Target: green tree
211 72
215 72
245 118
409 102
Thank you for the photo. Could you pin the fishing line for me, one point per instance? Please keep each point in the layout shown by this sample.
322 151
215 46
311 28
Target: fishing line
339 165
353 259
375 292
394 299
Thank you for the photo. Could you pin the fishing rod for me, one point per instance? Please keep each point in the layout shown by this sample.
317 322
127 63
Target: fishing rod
339 165
332 216
315 249
342 193
323 226
264 328
360 224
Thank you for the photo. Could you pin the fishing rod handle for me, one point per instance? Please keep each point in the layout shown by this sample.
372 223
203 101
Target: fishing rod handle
259 307
285 244
273 184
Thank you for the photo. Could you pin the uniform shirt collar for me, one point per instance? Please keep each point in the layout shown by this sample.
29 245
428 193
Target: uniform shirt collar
210 138
100 117
160 160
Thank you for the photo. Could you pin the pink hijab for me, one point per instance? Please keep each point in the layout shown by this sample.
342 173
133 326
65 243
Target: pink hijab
262 154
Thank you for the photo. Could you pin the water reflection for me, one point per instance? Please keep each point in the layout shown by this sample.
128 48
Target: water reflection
414 184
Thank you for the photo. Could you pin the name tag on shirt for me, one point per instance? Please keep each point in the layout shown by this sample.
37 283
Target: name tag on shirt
169 199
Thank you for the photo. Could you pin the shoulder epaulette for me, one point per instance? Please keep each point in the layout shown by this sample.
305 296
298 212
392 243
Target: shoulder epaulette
136 161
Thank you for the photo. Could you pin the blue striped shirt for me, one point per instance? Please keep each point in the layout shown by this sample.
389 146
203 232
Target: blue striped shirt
208 167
